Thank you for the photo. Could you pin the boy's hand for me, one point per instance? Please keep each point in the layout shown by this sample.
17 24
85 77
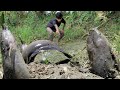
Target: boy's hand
57 29
62 31
57 32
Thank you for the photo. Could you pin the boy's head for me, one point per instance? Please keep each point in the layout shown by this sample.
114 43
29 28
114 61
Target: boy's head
59 16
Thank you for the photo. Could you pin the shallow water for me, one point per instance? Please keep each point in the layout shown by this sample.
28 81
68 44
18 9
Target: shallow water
76 49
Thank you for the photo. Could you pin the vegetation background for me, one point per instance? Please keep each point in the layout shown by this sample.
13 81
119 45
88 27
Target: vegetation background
31 25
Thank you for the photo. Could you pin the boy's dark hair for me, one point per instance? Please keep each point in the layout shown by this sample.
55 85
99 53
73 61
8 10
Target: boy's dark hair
59 15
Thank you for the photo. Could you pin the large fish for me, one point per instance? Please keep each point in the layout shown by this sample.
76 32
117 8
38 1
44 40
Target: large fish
100 56
14 66
37 46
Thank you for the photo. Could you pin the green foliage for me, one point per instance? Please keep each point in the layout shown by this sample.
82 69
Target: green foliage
112 32
0 58
46 61
32 26
25 33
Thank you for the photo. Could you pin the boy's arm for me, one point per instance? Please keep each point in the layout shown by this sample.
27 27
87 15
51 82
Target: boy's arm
64 22
64 26
57 29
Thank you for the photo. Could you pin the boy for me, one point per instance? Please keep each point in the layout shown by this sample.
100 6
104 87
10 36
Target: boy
52 27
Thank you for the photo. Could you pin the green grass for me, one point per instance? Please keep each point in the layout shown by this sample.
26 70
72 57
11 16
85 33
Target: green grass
34 28
77 25
0 58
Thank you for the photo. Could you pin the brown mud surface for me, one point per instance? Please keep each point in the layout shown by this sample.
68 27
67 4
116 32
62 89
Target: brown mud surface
62 71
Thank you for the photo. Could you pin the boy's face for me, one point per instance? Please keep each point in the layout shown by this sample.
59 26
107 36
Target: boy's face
59 20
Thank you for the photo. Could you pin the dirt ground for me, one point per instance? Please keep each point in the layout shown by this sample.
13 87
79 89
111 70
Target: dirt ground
62 71
52 71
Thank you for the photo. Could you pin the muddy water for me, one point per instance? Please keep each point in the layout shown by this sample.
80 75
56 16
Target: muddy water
76 49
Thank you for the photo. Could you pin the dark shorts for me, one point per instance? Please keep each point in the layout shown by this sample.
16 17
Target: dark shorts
53 29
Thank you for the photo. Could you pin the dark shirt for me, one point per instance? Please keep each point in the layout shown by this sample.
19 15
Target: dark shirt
53 22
